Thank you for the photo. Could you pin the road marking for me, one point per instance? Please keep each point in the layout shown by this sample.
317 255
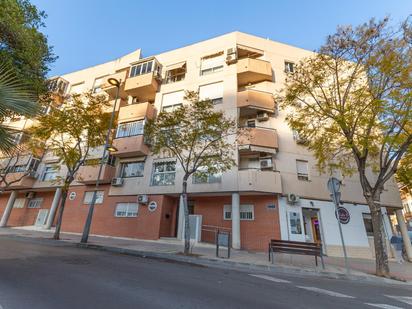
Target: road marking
269 278
384 306
404 299
322 291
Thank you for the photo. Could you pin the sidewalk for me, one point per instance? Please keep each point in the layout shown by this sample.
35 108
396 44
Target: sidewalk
170 248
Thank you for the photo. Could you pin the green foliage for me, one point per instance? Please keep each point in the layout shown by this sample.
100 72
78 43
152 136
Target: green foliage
196 134
15 99
404 172
72 130
22 46
352 101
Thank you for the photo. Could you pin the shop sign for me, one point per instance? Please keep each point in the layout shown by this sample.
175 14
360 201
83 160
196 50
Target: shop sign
152 206
344 216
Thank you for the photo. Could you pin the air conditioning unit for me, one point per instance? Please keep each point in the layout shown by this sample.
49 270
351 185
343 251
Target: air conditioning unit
142 199
293 198
117 182
231 56
30 194
262 116
266 163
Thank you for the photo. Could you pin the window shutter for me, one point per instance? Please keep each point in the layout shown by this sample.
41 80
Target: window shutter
211 91
212 62
173 98
302 167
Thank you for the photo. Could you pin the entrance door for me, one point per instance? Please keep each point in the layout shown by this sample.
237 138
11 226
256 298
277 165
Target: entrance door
41 217
311 220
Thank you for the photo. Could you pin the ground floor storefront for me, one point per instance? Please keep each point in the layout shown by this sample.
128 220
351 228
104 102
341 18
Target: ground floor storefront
252 221
316 221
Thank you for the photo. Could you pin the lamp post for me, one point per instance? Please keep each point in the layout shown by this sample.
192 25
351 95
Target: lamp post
107 148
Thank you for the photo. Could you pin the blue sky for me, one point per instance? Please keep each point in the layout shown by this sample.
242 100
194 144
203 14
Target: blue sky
88 32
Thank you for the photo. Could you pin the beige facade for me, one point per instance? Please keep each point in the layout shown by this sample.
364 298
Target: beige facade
241 73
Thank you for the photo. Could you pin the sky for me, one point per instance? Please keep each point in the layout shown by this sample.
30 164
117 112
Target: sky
84 33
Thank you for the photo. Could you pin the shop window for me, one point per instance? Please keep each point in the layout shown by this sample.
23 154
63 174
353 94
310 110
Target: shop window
295 223
367 221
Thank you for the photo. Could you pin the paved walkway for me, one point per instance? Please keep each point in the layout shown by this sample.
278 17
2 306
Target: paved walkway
172 246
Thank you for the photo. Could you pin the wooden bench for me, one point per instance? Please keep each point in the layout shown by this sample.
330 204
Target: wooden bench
296 247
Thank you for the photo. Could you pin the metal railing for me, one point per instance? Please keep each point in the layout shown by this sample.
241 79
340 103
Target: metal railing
209 233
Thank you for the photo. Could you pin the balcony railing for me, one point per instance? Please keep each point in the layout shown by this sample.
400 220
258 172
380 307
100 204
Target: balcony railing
255 180
256 99
258 136
251 71
136 111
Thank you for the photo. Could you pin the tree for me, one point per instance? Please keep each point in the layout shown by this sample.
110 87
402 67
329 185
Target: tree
15 100
71 131
404 172
22 46
197 135
352 103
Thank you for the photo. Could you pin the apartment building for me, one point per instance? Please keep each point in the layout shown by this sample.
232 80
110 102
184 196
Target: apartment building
275 188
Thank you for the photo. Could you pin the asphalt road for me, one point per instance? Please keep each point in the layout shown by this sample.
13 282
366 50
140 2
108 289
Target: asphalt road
47 274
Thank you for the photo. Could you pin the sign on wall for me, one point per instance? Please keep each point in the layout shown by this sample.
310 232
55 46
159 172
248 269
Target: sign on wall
342 214
152 206
72 196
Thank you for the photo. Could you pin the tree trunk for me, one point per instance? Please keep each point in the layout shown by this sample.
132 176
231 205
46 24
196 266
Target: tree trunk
379 238
60 214
186 216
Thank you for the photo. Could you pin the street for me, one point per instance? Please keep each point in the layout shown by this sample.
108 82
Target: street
47 274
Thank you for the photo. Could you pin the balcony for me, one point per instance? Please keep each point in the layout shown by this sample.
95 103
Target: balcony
251 71
112 90
20 180
87 174
259 181
58 88
144 80
130 146
258 137
256 100
136 111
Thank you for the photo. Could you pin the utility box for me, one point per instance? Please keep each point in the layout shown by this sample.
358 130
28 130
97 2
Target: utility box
195 225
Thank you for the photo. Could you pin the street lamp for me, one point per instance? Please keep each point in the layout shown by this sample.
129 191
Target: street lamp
107 148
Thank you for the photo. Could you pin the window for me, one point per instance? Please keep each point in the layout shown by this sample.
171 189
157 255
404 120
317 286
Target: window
175 73
289 67
367 221
88 196
130 129
144 68
19 203
246 212
97 86
124 210
171 108
50 173
35 203
212 64
251 123
131 169
77 88
206 177
213 92
17 137
164 173
302 170
295 224
172 99
17 169
58 85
